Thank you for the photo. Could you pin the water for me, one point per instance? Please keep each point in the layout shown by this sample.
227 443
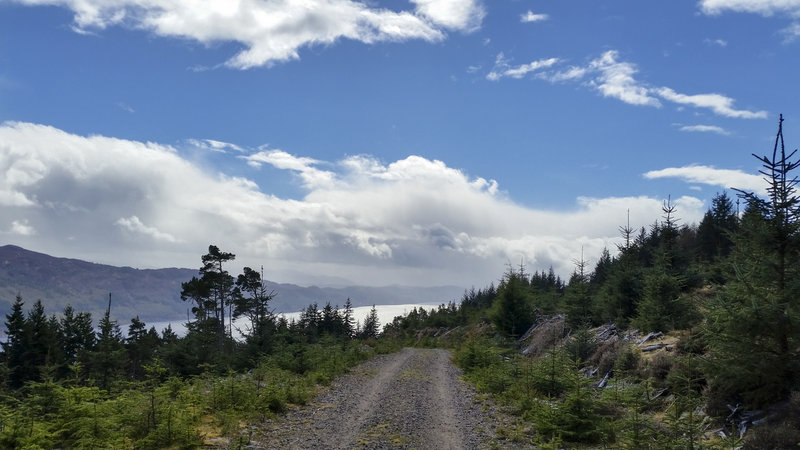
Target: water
386 313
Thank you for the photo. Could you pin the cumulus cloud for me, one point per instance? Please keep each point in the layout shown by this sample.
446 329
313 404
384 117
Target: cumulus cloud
275 30
530 16
725 178
705 129
411 221
502 68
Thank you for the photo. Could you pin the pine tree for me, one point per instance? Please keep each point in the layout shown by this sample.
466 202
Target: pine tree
753 323
578 304
108 357
601 271
76 334
512 311
619 296
372 326
141 345
715 232
662 306
347 318
43 350
251 300
212 294
220 283
16 345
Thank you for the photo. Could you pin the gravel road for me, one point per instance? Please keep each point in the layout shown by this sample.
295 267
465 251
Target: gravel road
410 399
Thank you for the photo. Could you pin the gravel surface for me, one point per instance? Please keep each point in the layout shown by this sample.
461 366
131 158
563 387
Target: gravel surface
411 399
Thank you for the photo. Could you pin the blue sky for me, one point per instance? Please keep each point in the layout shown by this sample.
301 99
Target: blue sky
377 142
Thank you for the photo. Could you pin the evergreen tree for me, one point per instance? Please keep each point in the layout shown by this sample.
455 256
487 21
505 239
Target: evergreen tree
662 308
309 323
331 322
347 318
715 232
107 360
619 296
141 345
512 312
168 336
16 345
753 330
372 326
212 293
252 301
601 271
76 335
220 284
43 349
577 297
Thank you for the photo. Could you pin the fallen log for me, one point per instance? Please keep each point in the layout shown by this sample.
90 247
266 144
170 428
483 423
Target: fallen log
654 347
650 336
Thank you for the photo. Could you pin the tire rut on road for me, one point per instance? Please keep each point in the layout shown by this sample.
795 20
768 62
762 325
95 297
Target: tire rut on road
410 399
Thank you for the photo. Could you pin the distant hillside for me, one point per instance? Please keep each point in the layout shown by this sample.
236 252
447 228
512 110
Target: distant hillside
154 294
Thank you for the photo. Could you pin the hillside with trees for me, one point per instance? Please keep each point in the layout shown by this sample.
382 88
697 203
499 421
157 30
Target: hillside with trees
154 294
67 384
685 336
688 337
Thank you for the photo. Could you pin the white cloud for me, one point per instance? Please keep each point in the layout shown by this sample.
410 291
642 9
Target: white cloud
791 32
311 176
135 225
463 15
705 129
763 7
411 221
719 104
616 80
275 30
725 178
717 42
530 16
766 8
214 146
22 228
570 74
502 68
125 107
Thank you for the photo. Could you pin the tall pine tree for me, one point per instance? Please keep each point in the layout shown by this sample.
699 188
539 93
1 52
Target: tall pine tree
753 330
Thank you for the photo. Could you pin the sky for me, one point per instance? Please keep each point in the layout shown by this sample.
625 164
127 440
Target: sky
380 142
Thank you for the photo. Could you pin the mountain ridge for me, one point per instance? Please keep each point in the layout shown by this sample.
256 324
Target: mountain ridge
154 294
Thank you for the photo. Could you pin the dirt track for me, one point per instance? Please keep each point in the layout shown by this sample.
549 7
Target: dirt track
410 399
